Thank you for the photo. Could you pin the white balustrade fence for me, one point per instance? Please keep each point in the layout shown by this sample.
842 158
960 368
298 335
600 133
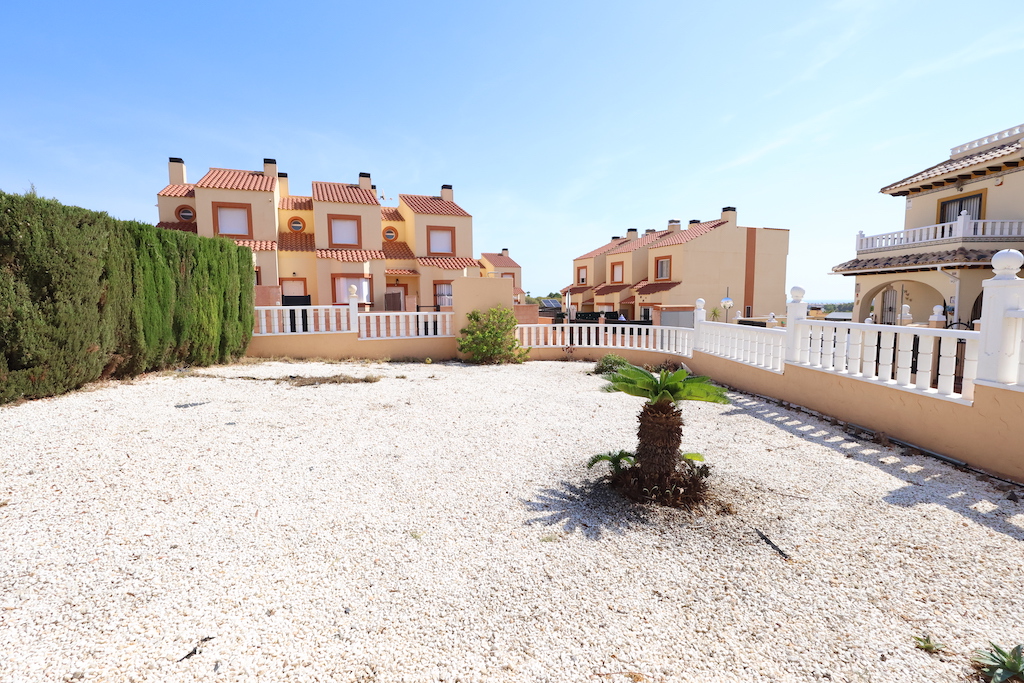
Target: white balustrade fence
930 361
278 320
674 340
963 228
758 346
405 325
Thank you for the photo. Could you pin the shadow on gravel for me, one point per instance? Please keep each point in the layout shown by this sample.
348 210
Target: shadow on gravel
928 481
591 508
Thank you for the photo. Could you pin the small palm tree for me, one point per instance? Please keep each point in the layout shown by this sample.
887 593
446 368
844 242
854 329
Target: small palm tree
661 422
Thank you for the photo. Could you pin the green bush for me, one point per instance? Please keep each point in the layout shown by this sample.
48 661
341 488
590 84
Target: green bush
609 363
490 338
85 296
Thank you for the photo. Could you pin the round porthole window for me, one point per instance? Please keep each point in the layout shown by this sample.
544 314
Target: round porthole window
186 214
390 234
297 225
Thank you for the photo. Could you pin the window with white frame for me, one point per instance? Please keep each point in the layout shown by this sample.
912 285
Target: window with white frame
581 275
232 220
341 285
442 294
344 230
441 240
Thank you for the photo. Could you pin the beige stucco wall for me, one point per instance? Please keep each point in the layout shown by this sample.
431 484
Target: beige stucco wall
264 210
167 206
770 272
1004 201
416 225
926 289
369 223
302 264
285 216
707 268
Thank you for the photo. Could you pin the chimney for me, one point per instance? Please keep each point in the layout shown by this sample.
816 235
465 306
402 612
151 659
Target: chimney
648 231
364 181
504 251
176 171
282 183
632 233
270 168
446 193
616 237
729 214
673 224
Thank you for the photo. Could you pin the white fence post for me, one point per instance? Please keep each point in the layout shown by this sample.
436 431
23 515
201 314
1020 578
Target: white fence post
796 310
353 309
999 352
699 316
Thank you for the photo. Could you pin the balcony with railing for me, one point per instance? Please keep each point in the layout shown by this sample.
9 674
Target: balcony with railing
964 229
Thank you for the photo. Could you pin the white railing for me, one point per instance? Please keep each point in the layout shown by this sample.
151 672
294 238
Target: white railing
988 139
673 340
758 346
277 320
270 320
405 325
930 361
963 229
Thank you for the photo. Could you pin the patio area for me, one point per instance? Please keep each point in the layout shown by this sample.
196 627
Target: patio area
439 525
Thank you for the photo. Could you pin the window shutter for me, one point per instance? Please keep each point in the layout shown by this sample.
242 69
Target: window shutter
232 221
344 231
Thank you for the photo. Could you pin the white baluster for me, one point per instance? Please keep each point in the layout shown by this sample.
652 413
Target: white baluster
971 369
886 355
925 358
869 351
947 365
904 357
840 359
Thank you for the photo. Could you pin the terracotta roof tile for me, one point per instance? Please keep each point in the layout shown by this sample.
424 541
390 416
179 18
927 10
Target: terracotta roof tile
257 245
390 213
397 251
610 289
500 261
342 193
640 284
432 205
602 249
178 191
632 245
577 289
401 271
655 287
455 263
296 241
951 165
683 235
911 261
350 255
628 300
182 226
296 203
232 179
518 290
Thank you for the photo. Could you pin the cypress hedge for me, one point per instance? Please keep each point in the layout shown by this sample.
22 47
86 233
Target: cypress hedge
85 296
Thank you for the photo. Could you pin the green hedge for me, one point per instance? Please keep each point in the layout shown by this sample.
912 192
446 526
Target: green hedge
85 296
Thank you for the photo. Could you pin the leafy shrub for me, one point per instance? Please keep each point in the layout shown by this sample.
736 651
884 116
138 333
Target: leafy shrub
609 363
490 338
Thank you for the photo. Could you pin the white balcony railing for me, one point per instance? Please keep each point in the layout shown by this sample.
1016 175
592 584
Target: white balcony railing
961 229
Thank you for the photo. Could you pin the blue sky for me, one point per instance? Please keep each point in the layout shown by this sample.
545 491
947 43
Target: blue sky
559 124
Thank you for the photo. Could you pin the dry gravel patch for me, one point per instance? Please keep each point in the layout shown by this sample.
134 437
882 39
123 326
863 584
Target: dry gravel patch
439 525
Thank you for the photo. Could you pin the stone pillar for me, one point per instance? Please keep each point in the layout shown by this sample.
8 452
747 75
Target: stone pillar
905 317
772 322
353 309
796 310
1000 342
937 319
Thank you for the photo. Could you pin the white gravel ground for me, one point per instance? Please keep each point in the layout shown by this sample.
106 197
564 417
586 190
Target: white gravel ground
440 525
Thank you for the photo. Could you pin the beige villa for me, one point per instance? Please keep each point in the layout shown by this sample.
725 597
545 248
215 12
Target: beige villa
401 258
659 275
502 265
959 213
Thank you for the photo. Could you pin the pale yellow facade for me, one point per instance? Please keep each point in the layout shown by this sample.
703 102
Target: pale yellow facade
957 214
317 246
642 275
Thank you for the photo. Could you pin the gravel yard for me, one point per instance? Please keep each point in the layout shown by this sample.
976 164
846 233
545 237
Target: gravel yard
439 525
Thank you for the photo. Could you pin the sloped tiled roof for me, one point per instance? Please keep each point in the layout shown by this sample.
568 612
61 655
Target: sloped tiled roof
258 245
642 241
500 261
432 205
518 290
951 165
453 263
296 203
602 249
397 251
655 287
401 271
691 232
232 179
390 213
912 261
577 289
178 191
610 289
350 255
342 193
178 225
640 284
628 300
296 241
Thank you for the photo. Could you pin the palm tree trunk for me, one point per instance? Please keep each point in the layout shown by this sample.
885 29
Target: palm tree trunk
659 434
